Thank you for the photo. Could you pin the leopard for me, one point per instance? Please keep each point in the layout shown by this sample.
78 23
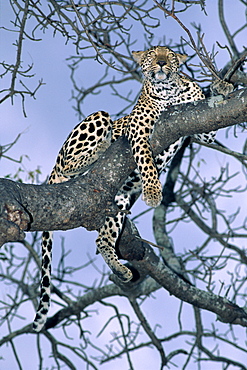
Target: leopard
163 85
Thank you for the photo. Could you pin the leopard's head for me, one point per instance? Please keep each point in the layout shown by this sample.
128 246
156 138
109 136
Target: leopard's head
158 62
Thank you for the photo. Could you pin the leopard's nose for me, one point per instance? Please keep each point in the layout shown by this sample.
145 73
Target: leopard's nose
161 63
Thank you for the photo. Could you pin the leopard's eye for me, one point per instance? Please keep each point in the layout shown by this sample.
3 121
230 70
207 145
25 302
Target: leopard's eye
171 56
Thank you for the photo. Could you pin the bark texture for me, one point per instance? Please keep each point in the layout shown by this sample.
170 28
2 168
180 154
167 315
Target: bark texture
86 201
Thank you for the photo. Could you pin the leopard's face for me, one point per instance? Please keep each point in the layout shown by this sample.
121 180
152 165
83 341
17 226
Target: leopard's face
158 62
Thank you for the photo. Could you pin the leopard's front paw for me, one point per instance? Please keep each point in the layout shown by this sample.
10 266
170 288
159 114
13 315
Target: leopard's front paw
220 87
152 194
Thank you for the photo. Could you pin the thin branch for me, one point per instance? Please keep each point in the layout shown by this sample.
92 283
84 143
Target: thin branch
226 29
155 341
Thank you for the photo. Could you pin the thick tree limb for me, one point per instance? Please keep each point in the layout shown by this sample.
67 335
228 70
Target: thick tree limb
225 310
86 201
202 116
146 262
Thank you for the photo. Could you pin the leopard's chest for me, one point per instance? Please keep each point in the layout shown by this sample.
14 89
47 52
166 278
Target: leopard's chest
169 94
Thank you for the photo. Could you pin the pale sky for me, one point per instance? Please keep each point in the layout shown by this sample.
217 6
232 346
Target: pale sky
49 120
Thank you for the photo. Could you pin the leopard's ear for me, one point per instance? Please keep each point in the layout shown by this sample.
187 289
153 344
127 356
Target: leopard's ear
137 55
182 58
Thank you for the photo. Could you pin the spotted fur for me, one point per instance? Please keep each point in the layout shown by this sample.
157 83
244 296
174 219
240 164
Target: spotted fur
163 86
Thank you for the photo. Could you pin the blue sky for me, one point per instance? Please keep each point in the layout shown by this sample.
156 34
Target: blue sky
50 118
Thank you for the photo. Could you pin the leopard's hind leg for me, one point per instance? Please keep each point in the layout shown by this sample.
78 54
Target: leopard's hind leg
163 159
108 236
110 231
207 138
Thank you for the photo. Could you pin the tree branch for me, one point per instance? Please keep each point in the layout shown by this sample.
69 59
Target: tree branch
86 201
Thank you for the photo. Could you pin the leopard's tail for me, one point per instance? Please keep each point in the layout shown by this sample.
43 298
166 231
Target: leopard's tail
45 294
